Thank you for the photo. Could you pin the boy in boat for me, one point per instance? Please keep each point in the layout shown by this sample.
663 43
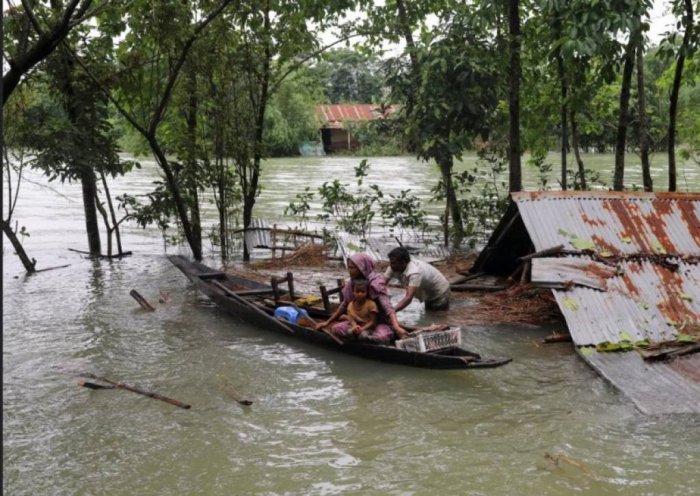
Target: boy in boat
361 318
420 279
361 266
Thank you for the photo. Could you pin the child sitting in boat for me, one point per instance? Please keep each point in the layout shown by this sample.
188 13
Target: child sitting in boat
361 317
361 267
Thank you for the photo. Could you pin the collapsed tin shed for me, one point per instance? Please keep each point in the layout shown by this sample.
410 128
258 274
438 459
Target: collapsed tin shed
625 271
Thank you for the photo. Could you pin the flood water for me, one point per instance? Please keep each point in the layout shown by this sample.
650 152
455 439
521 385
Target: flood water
321 423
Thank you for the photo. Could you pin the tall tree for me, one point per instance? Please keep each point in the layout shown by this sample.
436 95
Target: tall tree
643 125
152 53
688 46
455 94
514 45
16 158
623 116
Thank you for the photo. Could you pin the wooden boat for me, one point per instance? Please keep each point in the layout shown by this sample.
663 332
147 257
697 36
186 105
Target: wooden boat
250 301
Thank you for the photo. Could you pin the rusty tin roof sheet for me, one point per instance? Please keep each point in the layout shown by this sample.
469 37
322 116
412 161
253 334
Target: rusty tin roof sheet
334 115
642 299
630 270
613 222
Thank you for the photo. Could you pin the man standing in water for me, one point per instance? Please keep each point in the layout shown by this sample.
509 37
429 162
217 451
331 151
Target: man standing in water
420 279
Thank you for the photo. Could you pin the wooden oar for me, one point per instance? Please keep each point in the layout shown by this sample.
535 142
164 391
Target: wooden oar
322 329
248 304
128 387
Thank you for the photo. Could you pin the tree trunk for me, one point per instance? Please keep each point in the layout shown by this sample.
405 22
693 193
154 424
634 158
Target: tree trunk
223 221
643 122
575 146
29 265
452 205
180 205
105 220
89 186
405 28
113 215
192 169
673 98
84 171
514 98
250 195
562 110
623 117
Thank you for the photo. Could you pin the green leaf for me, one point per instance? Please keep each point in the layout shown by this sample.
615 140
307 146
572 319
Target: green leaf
583 244
686 297
586 350
626 239
624 336
607 346
642 343
570 304
686 339
658 248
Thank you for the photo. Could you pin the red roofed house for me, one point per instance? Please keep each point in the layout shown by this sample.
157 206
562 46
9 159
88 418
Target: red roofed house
336 117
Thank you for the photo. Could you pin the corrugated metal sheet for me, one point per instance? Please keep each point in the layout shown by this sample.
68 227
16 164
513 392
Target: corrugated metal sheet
646 301
654 388
613 223
258 235
350 244
335 115
630 271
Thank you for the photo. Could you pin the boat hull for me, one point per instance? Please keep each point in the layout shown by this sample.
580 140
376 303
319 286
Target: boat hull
233 295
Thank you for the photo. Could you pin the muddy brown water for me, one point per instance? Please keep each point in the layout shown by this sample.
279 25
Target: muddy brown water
321 423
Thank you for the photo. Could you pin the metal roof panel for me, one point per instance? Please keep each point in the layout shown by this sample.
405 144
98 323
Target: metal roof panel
613 223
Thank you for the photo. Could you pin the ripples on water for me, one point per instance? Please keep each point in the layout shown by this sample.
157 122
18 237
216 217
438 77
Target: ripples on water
321 423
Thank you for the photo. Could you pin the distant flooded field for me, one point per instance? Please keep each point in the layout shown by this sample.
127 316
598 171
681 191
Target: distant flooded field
321 423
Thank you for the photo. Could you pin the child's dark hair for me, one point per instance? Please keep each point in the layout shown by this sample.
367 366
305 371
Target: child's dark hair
360 282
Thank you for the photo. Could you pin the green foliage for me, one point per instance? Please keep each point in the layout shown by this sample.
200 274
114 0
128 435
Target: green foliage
348 76
456 94
379 137
351 210
403 213
156 207
300 207
290 118
483 198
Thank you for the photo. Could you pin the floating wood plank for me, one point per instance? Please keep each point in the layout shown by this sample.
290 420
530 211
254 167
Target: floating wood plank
133 389
94 385
142 301
543 253
477 287
667 354
557 338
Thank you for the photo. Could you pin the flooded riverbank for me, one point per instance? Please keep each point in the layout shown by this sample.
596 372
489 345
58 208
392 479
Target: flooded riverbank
321 423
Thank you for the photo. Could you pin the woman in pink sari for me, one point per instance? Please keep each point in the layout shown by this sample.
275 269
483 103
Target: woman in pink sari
361 266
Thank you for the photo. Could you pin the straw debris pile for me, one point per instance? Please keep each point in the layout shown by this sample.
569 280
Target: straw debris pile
519 304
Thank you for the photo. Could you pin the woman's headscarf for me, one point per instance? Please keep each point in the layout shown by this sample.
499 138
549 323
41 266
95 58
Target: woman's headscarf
377 283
